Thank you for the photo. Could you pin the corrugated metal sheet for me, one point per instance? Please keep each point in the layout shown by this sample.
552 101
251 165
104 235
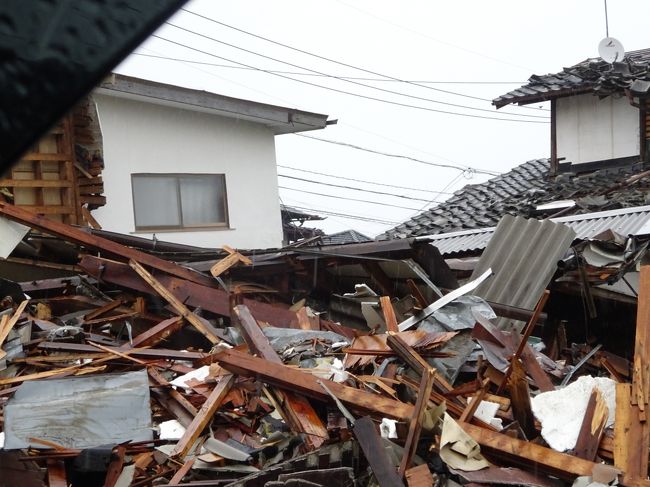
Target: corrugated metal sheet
628 221
523 255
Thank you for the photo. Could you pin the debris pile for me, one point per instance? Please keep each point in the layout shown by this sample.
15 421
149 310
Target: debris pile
140 371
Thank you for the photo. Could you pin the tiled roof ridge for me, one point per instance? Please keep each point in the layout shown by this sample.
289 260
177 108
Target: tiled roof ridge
519 192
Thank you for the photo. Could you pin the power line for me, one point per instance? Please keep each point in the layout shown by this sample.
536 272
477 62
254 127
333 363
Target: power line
349 216
352 188
358 95
466 169
365 181
347 198
393 92
408 29
297 73
334 60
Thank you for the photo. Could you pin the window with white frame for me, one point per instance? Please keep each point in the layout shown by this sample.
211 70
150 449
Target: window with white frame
179 201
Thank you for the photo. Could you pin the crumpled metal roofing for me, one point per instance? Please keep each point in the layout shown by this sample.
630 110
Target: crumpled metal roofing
523 255
592 74
519 192
627 221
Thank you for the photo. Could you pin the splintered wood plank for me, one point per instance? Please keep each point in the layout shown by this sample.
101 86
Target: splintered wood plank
173 393
520 399
307 320
305 383
201 420
56 476
419 476
7 324
90 219
156 334
231 260
298 411
528 455
103 309
374 451
389 314
413 359
415 426
180 308
253 334
75 235
224 264
471 408
182 472
593 426
115 467
632 430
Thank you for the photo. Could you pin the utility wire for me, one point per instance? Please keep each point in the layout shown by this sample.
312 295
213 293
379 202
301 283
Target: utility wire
352 188
358 95
348 199
297 73
466 169
358 83
365 181
349 216
334 60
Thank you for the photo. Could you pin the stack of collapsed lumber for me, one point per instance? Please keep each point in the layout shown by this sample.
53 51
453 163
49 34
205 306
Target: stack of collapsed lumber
120 379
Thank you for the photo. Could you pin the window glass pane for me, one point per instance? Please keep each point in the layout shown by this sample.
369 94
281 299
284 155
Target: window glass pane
155 199
203 199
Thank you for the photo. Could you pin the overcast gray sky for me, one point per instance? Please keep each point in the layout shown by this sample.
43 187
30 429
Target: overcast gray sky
475 48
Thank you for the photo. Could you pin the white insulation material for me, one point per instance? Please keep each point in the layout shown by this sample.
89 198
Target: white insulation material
561 412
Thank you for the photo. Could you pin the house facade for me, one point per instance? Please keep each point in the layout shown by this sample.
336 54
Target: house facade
599 131
189 166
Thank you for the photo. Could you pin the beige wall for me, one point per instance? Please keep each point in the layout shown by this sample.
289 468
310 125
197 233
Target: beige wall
145 137
590 129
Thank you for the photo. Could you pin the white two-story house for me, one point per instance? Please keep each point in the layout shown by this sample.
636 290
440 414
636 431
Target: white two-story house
190 166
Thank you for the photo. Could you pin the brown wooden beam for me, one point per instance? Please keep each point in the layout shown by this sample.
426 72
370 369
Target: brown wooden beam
299 412
202 419
78 236
305 383
528 455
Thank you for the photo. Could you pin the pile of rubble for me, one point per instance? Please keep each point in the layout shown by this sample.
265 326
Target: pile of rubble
140 371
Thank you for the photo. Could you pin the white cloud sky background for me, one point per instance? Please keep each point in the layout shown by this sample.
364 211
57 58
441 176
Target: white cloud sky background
462 41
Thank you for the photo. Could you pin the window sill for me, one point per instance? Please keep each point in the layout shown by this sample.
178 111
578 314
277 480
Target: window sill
181 230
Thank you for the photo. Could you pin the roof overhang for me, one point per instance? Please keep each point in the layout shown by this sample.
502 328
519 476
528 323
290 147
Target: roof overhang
539 97
280 120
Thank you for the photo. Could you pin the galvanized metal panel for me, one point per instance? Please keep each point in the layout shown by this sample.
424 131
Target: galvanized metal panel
523 255
80 412
627 221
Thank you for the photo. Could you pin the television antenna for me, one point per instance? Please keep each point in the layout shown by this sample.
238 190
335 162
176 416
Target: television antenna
610 49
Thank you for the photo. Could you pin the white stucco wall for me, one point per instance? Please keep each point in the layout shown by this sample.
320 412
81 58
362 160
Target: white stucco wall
142 137
590 129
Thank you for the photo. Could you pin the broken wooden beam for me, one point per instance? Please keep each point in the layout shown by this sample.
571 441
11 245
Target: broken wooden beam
78 236
593 426
180 308
156 334
305 383
229 261
528 455
210 299
204 416
298 411
389 314
375 452
415 425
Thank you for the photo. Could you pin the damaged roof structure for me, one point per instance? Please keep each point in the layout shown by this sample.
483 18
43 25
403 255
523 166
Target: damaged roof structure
520 359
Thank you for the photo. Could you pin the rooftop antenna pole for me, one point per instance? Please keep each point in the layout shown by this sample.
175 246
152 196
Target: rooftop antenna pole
606 21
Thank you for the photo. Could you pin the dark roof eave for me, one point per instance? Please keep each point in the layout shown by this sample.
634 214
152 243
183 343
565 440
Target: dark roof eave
540 97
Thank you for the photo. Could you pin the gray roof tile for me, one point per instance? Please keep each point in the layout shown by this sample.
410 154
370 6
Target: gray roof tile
519 192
